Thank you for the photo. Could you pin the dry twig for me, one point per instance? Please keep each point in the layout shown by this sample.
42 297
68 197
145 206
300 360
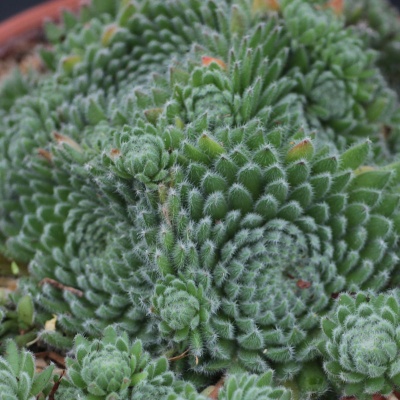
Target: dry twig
60 286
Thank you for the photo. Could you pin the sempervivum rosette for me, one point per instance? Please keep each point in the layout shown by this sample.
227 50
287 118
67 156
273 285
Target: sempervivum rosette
143 157
248 387
377 22
361 344
265 226
182 308
18 380
198 173
115 368
81 167
330 59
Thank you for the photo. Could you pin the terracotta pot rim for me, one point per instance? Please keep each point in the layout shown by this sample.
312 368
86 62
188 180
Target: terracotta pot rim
28 24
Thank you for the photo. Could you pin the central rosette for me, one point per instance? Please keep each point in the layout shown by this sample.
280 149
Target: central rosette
108 370
369 347
246 260
276 279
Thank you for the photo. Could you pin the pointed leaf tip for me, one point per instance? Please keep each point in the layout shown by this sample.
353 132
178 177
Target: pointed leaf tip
395 168
61 139
328 326
128 9
69 62
41 380
207 61
209 146
152 115
337 6
355 156
45 154
302 150
108 34
26 311
115 153
265 6
364 168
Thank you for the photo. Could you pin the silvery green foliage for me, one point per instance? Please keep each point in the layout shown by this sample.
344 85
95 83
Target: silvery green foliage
66 391
183 308
154 389
187 393
243 386
145 158
115 368
311 383
249 387
199 174
330 60
361 345
266 236
378 24
18 380
80 208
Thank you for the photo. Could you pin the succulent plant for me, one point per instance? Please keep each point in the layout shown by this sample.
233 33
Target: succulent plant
66 391
361 344
205 177
18 380
114 368
98 371
377 22
20 319
260 250
248 387
106 368
329 59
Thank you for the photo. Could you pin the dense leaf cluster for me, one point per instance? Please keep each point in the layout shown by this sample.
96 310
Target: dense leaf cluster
208 177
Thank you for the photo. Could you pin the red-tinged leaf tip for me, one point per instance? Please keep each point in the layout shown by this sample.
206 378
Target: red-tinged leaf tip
265 5
108 34
273 5
69 62
336 5
206 61
303 284
45 154
115 153
304 149
61 139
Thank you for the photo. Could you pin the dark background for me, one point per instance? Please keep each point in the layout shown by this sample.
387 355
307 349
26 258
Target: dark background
11 7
